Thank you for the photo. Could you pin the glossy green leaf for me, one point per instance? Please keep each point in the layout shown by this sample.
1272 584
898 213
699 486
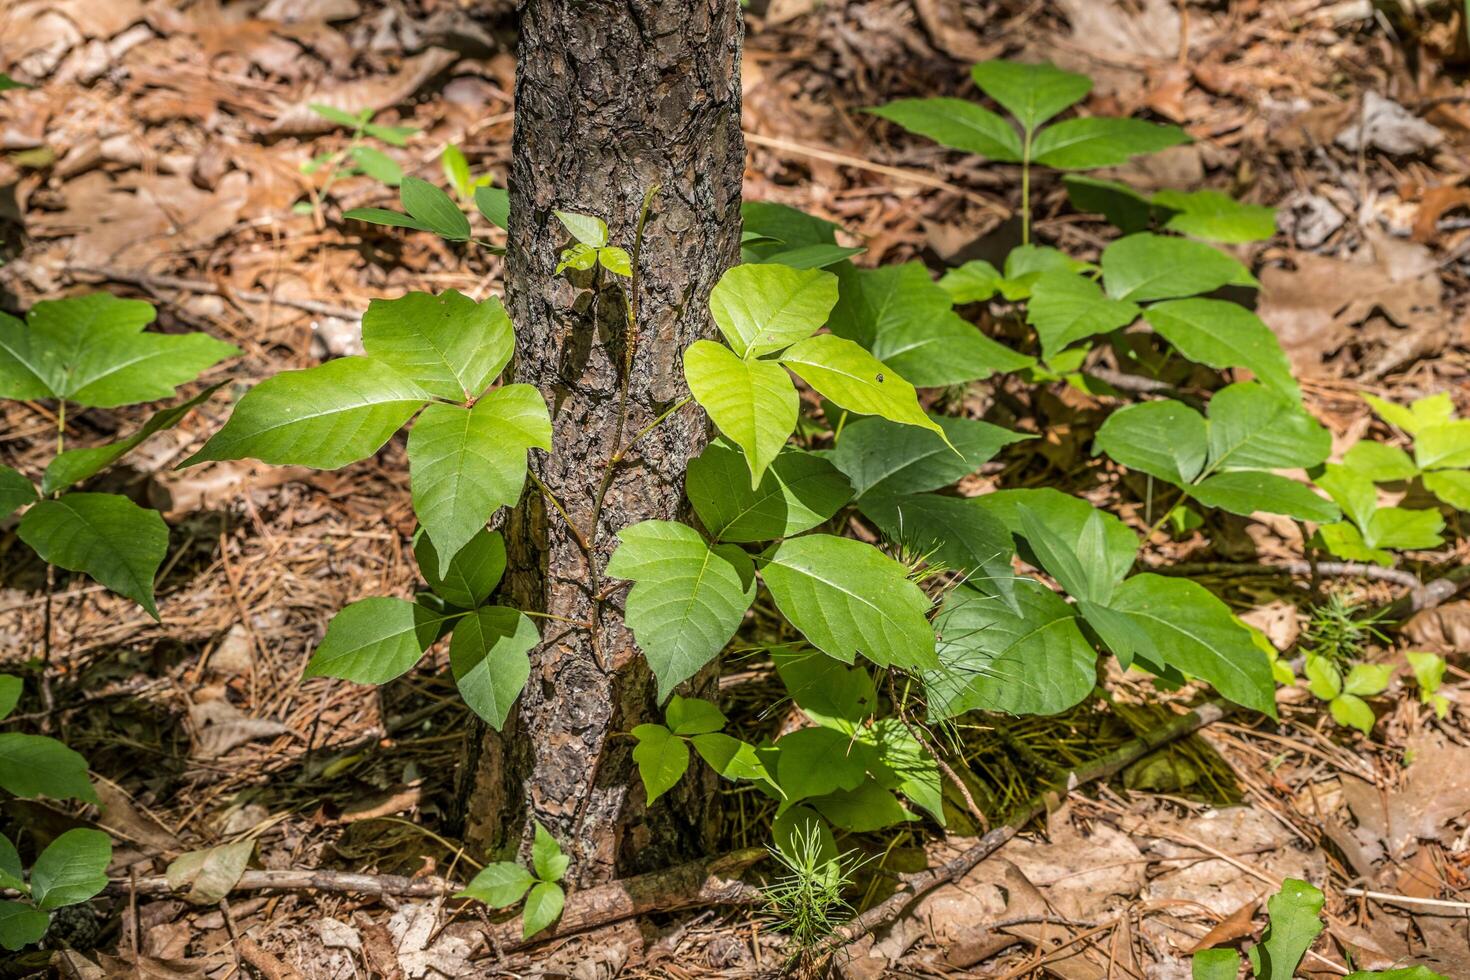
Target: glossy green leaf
1182 625
884 458
1379 463
1166 439
1246 491
1082 572
1033 93
473 572
1216 216
1423 414
1224 335
71 869
1253 428
387 218
855 380
546 856
909 766
615 260
326 416
145 367
494 204
958 533
946 350
687 598
662 759
797 492
465 463
863 809
731 758
449 345
1066 307
435 209
1403 973
1086 531
1445 445
1366 680
1345 541
1026 660
829 692
973 282
1323 678
1215 964
543 907
693 716
1101 141
12 875
10 691
752 402
488 656
1142 267
76 465
372 641
956 123
810 256
34 765
764 308
499 885
1450 486
1351 490
1404 529
21 923
103 535
847 597
585 228
1294 922
817 761
1123 206
15 492
784 226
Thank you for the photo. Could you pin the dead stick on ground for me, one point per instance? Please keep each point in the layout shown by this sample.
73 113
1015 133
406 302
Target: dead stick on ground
920 883
204 288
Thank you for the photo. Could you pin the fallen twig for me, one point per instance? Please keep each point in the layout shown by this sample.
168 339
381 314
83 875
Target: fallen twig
1345 569
151 282
913 886
307 880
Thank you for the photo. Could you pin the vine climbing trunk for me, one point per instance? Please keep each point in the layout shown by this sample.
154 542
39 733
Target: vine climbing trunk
612 100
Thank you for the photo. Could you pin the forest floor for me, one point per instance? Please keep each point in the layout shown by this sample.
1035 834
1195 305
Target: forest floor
159 155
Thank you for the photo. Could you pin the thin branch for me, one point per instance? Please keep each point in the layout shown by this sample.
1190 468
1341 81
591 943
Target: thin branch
152 282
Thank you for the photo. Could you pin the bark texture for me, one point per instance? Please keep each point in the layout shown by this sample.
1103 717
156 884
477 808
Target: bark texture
612 97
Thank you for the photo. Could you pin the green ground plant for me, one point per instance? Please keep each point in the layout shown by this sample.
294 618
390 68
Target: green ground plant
357 157
504 883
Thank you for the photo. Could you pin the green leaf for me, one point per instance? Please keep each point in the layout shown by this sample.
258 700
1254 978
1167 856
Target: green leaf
1216 217
1215 964
1404 530
390 219
914 772
956 123
800 833
883 458
662 759
392 135
585 228
1166 439
1101 141
1294 922
764 308
1379 463
1443 446
29 365
1403 973
34 765
546 856
1081 526
375 640
494 204
435 209
487 653
847 597
72 869
1182 625
377 165
1027 263
473 572
1351 490
1143 267
973 282
797 492
352 120
1450 486
465 463
543 907
325 417
958 533
1033 93
687 598
1123 206
449 345
731 758
12 874
10 691
124 370
1367 680
1029 660
946 350
1429 670
1345 541
752 402
785 225
21 924
864 809
1323 678
499 884
104 535
7 83
1424 413
1246 491
457 170
1082 572
1253 428
15 492
817 761
830 693
810 256
1224 335
615 260
855 380
76 465
693 716
1066 307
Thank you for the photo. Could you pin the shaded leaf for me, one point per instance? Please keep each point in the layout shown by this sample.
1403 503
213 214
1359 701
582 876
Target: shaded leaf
104 535
71 869
797 492
488 656
956 123
372 641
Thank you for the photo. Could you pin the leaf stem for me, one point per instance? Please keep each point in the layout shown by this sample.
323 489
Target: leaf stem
1026 188
571 524
559 619
618 456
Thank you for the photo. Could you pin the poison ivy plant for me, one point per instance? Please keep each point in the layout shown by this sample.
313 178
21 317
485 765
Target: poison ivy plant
1429 671
504 883
1371 532
91 351
1033 95
1209 215
427 208
73 867
1346 693
436 358
357 157
1441 450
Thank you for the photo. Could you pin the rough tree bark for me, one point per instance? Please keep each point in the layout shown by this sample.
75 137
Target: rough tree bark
612 98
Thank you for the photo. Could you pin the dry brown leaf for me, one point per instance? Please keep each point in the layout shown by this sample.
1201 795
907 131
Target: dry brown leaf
944 22
210 874
1236 925
221 727
1443 629
376 92
1434 204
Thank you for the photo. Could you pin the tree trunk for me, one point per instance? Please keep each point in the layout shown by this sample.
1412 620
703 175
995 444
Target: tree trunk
611 100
